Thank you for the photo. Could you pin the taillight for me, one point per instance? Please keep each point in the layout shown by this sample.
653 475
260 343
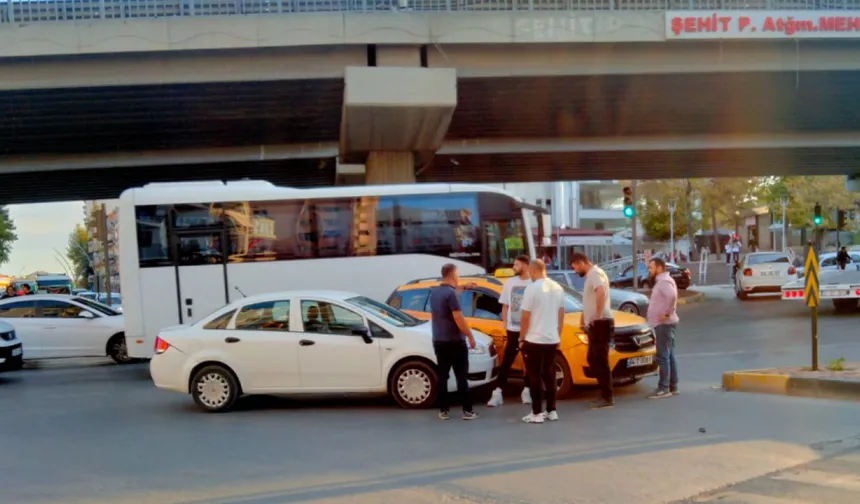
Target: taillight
747 272
161 346
792 270
793 294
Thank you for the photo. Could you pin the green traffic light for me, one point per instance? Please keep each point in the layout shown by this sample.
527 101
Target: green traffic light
816 220
628 211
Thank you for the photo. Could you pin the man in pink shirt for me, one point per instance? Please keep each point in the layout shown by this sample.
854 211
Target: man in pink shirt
663 317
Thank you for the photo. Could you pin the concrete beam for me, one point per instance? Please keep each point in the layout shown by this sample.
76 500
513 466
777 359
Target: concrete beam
21 164
620 144
396 108
530 60
180 68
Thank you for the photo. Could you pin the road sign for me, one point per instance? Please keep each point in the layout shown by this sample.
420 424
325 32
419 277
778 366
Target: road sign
810 273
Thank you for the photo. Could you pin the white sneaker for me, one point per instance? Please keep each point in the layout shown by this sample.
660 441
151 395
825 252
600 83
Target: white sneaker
527 396
532 418
552 416
496 399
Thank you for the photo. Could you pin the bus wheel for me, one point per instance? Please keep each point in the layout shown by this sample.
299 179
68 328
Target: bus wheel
117 350
413 385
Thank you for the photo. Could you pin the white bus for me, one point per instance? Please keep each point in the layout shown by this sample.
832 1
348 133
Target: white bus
188 249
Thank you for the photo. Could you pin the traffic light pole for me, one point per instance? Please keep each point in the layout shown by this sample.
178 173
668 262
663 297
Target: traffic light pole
634 239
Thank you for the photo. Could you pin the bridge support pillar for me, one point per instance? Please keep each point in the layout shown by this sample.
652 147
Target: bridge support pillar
392 114
390 167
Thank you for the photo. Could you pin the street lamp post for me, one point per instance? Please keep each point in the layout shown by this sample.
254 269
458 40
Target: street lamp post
672 205
784 202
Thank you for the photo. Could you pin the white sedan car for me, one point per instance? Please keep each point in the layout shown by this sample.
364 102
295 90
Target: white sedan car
763 272
58 325
310 342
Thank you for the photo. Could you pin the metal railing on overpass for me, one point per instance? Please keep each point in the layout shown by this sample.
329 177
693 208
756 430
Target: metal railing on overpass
41 11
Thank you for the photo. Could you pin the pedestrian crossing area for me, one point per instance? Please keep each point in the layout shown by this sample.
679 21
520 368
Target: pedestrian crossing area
831 481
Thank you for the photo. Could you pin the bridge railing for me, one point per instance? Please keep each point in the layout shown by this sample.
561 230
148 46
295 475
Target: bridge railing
36 11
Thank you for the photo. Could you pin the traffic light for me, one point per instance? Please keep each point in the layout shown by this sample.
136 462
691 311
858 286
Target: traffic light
816 217
629 209
840 220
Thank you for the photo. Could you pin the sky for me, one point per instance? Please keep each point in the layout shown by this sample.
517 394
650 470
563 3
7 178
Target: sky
41 228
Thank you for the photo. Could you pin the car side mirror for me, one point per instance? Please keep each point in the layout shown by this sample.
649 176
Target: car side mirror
364 332
86 315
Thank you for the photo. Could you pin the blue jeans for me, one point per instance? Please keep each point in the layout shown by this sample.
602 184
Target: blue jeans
666 356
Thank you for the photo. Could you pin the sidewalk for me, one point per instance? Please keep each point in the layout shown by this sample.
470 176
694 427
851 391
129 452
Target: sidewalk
834 480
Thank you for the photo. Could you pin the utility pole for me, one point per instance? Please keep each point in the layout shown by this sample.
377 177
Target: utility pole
101 237
784 202
672 205
634 238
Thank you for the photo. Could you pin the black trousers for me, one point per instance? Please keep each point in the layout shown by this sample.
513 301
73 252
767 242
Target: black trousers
540 374
453 355
600 334
512 348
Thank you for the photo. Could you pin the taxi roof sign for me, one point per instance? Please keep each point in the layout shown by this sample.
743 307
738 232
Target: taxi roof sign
504 273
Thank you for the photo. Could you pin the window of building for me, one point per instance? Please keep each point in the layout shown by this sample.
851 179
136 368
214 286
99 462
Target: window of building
601 196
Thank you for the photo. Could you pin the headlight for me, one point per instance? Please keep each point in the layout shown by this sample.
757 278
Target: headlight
582 337
478 350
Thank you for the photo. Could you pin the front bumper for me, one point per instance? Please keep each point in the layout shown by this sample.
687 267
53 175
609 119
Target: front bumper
483 369
9 362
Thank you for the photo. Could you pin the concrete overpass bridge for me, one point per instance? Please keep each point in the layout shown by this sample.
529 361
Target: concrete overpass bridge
99 95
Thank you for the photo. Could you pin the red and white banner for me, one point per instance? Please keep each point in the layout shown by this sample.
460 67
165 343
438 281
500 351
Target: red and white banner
686 25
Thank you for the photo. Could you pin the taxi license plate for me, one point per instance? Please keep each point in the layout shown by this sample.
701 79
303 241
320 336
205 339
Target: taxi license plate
834 293
17 351
640 361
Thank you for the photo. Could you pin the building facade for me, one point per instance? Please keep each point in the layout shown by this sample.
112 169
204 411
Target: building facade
98 256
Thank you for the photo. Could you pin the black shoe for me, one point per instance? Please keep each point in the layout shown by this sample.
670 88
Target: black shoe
601 404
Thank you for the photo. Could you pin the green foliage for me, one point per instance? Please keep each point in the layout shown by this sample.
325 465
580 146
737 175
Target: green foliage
653 198
7 235
803 193
655 220
836 364
77 255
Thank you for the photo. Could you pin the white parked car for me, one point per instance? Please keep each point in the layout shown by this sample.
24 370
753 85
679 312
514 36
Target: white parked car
308 342
763 272
58 325
11 357
827 262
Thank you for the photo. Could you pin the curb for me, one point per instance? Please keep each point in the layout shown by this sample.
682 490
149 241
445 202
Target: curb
780 384
695 298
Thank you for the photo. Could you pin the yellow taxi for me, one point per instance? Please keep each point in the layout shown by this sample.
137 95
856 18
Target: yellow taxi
632 351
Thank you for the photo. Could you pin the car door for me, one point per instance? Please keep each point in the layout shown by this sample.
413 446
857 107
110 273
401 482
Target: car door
259 340
66 333
331 356
21 314
483 312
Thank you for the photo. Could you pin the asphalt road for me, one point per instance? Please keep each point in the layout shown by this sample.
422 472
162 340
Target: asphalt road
103 434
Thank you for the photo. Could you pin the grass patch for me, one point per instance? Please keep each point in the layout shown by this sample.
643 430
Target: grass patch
836 364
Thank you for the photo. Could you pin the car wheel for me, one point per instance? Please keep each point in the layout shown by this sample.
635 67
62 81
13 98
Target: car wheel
629 308
214 389
117 349
739 293
413 385
563 378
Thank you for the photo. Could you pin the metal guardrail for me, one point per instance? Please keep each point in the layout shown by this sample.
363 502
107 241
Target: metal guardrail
40 11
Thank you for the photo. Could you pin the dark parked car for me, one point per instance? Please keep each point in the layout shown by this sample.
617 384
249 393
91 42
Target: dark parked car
624 280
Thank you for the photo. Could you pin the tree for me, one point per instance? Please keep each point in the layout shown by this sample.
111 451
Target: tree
76 252
653 208
803 193
7 235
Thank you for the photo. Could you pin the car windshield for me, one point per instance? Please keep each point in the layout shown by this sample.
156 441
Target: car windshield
95 305
572 300
767 258
391 315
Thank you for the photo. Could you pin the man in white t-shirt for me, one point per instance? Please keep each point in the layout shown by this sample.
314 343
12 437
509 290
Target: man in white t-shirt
540 335
512 311
599 324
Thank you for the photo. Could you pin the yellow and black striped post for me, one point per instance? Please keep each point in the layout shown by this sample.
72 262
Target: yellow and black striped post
811 294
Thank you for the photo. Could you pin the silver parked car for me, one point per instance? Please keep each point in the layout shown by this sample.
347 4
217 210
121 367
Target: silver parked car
620 299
